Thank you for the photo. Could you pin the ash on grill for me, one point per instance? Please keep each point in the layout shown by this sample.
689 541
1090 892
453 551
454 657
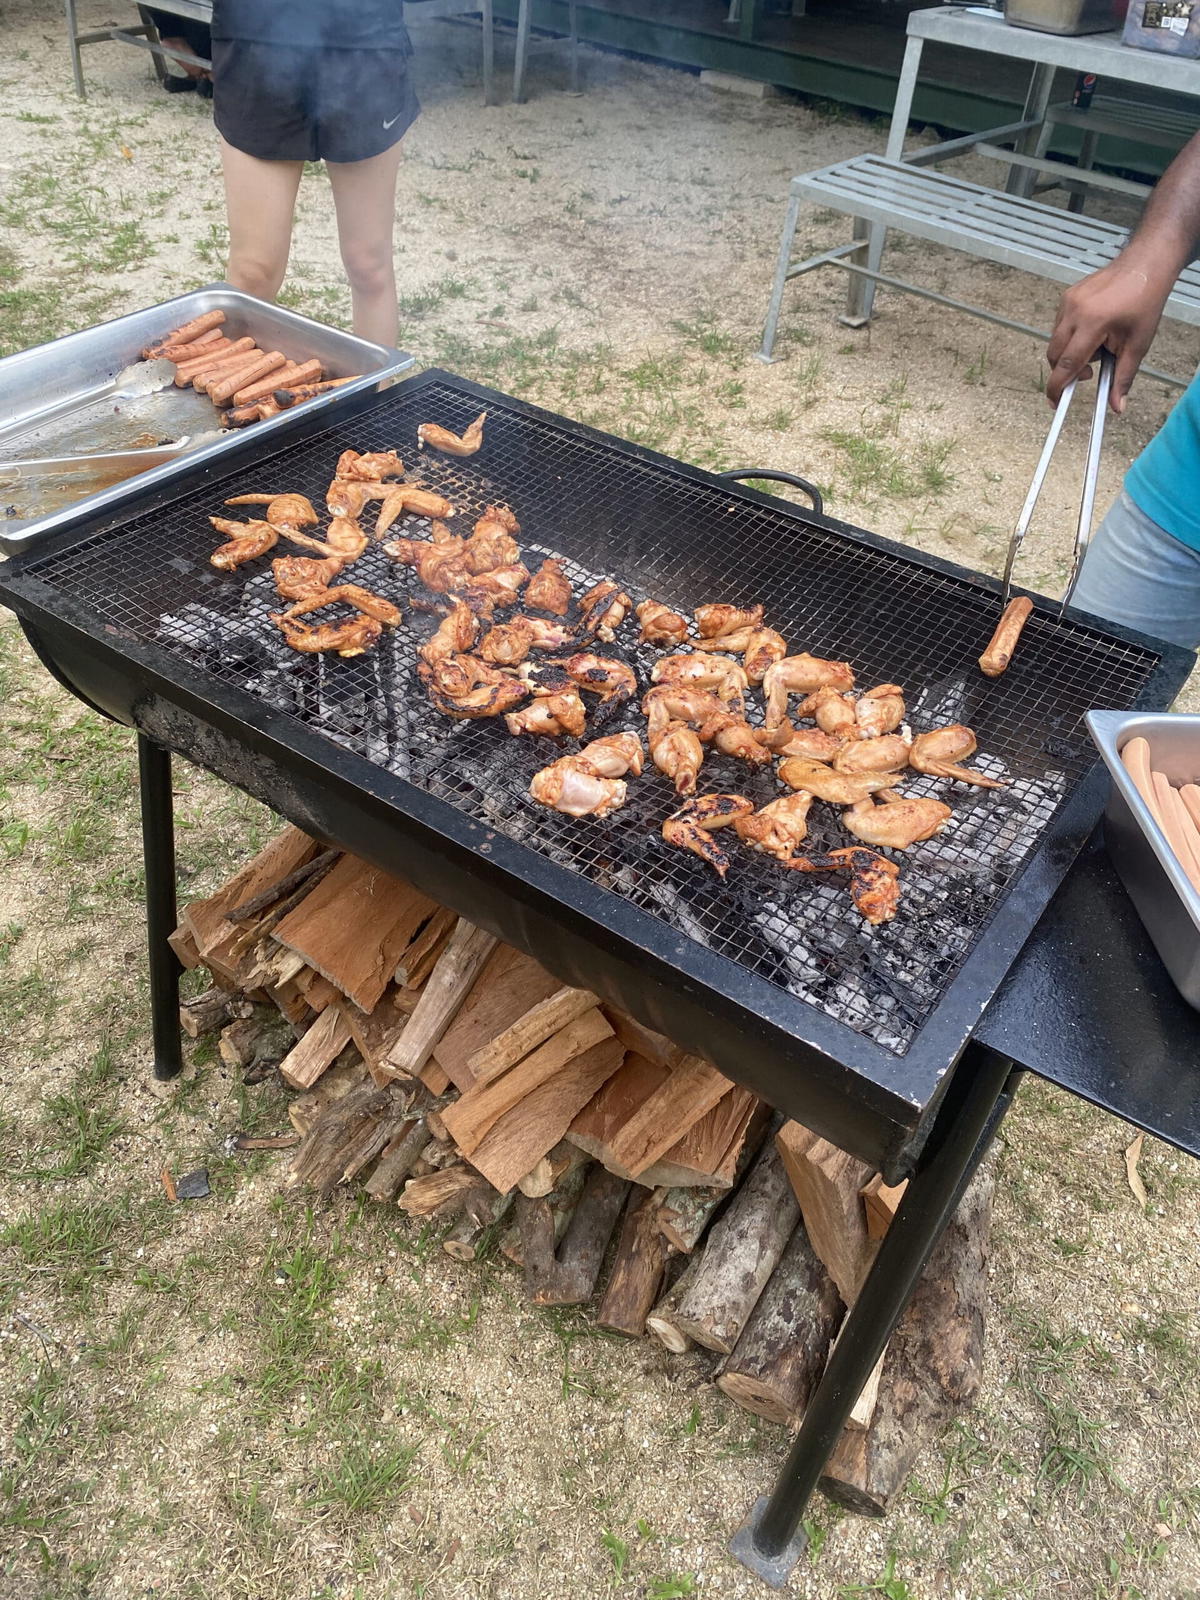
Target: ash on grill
608 513
511 1113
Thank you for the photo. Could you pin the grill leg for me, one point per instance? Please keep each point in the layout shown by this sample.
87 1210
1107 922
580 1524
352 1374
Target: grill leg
781 276
770 1540
158 850
76 57
524 17
489 54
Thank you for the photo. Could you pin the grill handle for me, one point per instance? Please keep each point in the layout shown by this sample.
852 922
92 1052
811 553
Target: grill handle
810 489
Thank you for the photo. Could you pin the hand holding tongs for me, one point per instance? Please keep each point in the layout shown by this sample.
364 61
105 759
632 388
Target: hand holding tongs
1083 532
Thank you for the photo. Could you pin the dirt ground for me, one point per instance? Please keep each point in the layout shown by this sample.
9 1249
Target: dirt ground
242 1398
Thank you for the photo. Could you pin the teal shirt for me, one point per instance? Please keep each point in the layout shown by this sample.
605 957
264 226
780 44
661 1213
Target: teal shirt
1164 481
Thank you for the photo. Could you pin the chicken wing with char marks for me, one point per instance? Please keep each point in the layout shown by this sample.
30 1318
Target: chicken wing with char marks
763 650
343 538
466 443
549 590
496 590
373 467
409 498
801 674
551 714
780 828
874 880
715 622
899 823
611 680
839 788
938 753
352 637
672 703
661 625
287 512
298 577
246 542
603 609
678 753
692 826
353 594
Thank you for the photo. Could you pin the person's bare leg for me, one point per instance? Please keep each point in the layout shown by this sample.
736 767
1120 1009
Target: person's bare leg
260 200
364 197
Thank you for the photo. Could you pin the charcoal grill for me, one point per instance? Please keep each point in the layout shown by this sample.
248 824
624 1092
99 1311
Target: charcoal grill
772 976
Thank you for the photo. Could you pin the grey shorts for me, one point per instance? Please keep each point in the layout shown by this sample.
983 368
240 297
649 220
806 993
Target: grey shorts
289 103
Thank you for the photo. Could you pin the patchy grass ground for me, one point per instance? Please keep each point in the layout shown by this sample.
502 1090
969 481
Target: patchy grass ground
243 1398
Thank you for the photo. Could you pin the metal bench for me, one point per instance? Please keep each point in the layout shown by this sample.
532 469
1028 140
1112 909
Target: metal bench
935 205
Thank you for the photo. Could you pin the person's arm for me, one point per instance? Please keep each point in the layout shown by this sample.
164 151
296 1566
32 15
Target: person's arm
1121 305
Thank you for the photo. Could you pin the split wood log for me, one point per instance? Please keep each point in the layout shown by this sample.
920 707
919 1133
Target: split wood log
350 1133
316 1051
436 1124
419 959
185 948
343 1078
289 999
568 1277
268 897
662 1323
644 1041
710 1151
269 965
508 985
742 1251
932 1368
599 1122
263 1039
204 1013
470 1117
376 1032
543 1219
513 1146
692 1089
864 1407
686 1211
538 1024
396 1161
318 991
480 1214
354 927
781 1354
637 1270
549 1172
269 920
826 1181
445 990
438 1153
442 1193
215 938
881 1201
434 1077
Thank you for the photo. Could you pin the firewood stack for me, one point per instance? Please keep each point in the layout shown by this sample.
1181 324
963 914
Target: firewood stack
459 1080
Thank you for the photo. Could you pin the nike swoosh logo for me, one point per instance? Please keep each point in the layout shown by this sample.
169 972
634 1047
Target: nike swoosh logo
393 122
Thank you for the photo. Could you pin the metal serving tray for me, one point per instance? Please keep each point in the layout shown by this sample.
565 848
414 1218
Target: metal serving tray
1145 862
64 399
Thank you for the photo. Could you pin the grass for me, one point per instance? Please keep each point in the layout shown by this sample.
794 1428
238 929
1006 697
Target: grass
365 1475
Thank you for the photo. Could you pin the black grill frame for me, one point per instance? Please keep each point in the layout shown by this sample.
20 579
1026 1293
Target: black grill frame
763 1033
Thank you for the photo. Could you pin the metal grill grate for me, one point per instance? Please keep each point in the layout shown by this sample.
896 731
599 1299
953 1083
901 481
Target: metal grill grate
608 512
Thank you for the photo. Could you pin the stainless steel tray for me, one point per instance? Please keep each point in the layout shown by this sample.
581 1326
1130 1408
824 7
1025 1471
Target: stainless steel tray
1145 862
90 392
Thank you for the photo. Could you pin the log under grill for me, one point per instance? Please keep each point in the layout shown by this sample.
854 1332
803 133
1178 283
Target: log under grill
610 511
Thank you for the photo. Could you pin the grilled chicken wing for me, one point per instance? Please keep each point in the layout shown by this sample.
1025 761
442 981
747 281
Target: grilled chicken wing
614 755
551 714
702 670
491 699
548 589
466 443
298 577
246 541
440 566
779 829
815 743
611 680
839 788
887 753
832 711
661 625
692 826
409 497
801 674
678 753
938 752
454 635
733 736
603 609
491 549
714 622
371 468
900 823
764 649
347 498
499 588
371 605
343 538
874 880
508 643
669 703
287 512
879 710
570 788
349 638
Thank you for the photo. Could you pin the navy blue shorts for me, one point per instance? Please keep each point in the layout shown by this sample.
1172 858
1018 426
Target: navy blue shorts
296 103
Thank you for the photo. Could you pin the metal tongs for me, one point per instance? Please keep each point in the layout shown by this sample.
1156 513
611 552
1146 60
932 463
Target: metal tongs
1087 504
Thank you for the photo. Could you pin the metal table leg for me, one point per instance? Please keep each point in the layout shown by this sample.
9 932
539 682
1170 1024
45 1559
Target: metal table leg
158 850
781 276
522 58
573 24
76 57
1037 101
770 1540
489 53
860 293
